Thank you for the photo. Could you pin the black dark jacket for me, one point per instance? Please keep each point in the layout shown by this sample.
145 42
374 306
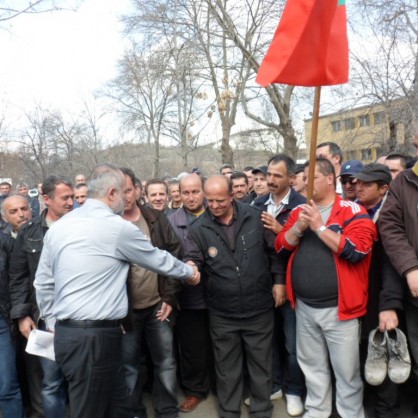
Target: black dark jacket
23 264
6 246
278 268
237 282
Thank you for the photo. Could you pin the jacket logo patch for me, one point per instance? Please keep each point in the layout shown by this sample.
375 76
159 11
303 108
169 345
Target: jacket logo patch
212 251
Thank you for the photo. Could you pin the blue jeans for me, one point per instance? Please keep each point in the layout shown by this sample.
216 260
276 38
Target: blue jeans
54 388
292 380
159 337
10 397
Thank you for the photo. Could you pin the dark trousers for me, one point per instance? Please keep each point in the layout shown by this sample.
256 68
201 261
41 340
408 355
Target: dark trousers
230 338
411 319
287 374
196 354
90 359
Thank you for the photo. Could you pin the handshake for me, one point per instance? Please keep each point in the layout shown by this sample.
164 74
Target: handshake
195 279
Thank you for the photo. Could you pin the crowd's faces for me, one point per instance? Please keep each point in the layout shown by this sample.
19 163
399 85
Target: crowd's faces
369 194
39 189
250 177
5 189
348 185
157 196
298 182
80 195
394 166
239 188
227 172
61 203
278 179
175 193
17 211
23 190
192 193
260 184
219 199
81 178
129 194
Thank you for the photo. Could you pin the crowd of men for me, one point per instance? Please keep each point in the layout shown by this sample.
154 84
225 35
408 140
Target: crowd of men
233 284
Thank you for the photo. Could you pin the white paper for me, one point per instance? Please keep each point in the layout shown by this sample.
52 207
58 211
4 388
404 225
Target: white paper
41 343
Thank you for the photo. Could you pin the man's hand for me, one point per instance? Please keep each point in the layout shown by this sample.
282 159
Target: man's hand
310 213
279 294
412 279
26 325
388 320
164 312
195 279
270 222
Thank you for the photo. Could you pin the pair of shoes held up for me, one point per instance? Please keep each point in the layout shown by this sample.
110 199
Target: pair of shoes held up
387 355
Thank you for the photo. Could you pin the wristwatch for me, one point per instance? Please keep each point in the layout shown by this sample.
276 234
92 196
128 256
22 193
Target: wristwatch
321 229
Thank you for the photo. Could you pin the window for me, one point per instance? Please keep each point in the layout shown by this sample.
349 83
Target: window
366 154
379 117
349 123
364 120
336 126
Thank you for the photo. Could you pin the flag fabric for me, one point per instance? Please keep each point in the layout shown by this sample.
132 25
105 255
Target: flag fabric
310 46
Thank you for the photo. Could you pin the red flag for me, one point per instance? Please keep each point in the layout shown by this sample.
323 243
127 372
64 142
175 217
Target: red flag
310 46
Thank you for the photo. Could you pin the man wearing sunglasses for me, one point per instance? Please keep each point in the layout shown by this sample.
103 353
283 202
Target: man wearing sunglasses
348 182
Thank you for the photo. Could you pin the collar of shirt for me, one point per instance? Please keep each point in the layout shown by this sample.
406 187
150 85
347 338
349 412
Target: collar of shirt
374 209
274 209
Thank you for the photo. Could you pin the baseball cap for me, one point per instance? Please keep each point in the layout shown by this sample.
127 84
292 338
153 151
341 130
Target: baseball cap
374 172
351 167
262 169
196 170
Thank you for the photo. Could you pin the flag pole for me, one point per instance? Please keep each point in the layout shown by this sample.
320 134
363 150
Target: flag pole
314 140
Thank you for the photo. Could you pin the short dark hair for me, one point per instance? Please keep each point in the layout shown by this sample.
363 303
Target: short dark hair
138 183
325 167
288 161
50 184
238 175
333 148
128 172
248 168
401 157
155 181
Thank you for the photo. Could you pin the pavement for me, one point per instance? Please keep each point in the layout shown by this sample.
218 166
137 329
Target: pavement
209 407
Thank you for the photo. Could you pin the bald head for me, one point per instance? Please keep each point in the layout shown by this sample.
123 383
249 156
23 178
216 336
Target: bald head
218 193
16 211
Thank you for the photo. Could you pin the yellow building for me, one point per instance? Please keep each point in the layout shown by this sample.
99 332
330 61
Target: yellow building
365 133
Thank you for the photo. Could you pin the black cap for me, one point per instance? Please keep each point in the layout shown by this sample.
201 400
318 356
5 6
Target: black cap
374 172
262 169
299 168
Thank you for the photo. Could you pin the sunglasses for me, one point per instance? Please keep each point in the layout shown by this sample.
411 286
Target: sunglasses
348 180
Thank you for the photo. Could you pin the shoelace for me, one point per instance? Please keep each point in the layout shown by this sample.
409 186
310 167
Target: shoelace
395 350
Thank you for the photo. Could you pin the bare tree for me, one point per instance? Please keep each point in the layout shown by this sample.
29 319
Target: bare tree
144 91
385 65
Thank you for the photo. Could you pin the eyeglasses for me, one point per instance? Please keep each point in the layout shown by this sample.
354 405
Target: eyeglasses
350 180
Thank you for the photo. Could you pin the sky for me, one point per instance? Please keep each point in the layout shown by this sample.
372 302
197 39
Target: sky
59 59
